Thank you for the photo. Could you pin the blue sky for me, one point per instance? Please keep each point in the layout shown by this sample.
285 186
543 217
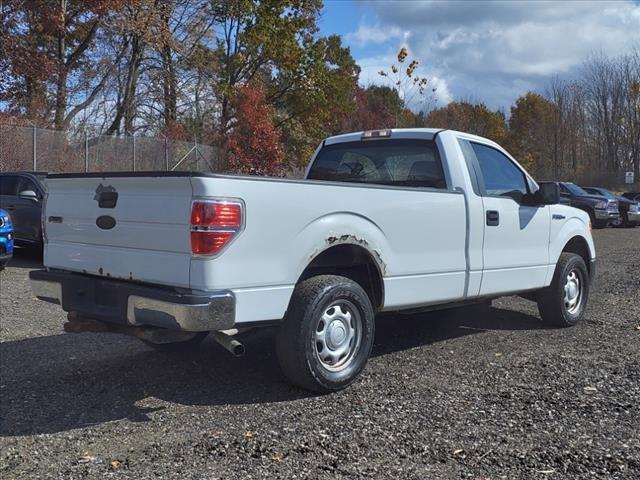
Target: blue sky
491 51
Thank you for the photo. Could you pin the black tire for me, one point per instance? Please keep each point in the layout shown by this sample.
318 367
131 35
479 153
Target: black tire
305 352
178 346
600 224
597 224
552 302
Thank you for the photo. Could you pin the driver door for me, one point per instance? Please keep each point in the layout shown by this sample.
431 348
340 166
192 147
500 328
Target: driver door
516 235
26 212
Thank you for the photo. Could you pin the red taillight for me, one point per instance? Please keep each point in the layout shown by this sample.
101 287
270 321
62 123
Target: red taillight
216 214
214 223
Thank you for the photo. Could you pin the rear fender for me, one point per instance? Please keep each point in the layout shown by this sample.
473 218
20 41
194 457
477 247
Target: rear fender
340 228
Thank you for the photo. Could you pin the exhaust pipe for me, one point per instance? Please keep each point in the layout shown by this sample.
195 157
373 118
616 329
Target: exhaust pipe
229 343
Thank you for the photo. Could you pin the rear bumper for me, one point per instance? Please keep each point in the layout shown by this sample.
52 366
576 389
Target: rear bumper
127 303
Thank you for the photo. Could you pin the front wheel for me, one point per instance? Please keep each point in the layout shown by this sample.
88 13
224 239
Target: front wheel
564 301
599 224
327 334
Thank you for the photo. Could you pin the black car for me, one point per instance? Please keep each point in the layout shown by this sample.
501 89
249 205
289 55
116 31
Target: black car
629 210
601 210
21 194
635 196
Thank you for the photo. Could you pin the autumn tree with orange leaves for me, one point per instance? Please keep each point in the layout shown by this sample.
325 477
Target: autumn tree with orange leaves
254 143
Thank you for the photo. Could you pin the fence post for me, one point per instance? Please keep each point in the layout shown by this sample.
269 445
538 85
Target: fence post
35 159
86 151
134 152
195 150
166 154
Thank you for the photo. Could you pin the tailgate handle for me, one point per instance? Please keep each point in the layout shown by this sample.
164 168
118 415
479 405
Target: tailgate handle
107 199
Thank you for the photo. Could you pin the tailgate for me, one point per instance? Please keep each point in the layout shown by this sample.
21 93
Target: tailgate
143 237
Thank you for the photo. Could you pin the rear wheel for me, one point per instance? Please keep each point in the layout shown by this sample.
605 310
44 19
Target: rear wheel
327 334
564 301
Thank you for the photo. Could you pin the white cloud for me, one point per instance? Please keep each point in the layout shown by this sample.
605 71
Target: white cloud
493 50
375 34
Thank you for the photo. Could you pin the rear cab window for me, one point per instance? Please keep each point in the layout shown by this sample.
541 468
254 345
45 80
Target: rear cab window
394 162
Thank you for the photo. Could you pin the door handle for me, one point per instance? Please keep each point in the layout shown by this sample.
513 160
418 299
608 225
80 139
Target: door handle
493 218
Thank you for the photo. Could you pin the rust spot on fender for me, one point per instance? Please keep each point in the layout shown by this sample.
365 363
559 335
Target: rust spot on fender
383 266
347 238
355 240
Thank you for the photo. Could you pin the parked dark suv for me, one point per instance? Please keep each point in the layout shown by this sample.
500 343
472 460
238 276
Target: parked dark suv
629 210
21 194
601 210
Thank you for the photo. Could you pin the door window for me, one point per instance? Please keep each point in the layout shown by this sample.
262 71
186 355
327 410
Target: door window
24 184
8 185
501 176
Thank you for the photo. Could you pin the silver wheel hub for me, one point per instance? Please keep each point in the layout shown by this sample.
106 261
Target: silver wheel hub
572 292
337 335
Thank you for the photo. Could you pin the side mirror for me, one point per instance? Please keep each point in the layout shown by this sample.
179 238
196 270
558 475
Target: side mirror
547 194
30 194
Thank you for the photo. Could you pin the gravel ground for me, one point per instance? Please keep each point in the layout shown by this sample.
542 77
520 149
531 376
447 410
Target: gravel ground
470 393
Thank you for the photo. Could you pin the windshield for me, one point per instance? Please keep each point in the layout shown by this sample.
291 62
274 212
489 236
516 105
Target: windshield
400 162
576 190
604 193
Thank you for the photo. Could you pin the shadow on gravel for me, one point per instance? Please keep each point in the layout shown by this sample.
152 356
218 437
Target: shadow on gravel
62 382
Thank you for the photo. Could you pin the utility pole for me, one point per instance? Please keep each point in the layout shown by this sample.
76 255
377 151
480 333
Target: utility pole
35 155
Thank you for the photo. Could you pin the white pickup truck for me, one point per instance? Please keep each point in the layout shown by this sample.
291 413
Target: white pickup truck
385 220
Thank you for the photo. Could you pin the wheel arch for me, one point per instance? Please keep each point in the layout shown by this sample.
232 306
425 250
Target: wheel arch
352 260
579 245
348 244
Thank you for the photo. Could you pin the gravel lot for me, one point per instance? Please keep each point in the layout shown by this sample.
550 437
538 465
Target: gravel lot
471 393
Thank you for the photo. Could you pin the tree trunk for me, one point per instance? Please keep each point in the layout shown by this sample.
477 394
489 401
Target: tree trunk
169 88
126 108
62 73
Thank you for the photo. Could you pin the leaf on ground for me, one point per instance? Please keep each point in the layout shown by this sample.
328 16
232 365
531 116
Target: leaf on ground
249 434
115 464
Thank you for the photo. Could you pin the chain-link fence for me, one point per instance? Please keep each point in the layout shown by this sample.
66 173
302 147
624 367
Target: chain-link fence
37 149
